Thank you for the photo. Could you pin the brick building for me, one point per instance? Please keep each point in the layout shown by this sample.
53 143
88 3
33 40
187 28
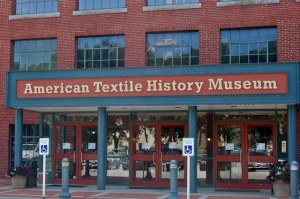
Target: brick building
115 85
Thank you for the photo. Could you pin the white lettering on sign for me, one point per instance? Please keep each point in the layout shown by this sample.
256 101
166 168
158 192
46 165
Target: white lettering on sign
219 84
158 85
29 89
117 88
127 86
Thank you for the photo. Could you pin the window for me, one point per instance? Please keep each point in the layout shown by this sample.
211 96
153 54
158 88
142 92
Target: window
100 4
170 2
167 49
35 6
30 143
34 54
101 52
249 46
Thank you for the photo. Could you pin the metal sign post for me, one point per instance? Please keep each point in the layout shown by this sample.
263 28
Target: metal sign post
188 150
44 150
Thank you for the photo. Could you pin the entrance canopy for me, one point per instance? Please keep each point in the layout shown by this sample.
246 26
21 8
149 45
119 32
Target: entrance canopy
261 85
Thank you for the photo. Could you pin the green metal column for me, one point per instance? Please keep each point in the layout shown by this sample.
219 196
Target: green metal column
192 133
18 136
292 134
102 148
292 149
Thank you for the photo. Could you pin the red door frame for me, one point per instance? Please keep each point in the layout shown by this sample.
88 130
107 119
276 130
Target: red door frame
78 156
245 158
157 157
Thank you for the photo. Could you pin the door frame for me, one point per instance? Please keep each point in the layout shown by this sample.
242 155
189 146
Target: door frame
157 157
78 155
244 158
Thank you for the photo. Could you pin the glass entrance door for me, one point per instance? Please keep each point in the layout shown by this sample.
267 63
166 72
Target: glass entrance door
244 153
153 147
88 154
78 143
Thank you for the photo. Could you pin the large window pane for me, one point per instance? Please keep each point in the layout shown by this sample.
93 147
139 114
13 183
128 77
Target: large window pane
169 49
34 54
249 45
100 4
100 52
32 7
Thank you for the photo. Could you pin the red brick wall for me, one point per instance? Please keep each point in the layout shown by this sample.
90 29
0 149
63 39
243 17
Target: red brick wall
134 24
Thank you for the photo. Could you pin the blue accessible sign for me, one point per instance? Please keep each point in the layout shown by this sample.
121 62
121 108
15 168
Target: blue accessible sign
188 146
44 146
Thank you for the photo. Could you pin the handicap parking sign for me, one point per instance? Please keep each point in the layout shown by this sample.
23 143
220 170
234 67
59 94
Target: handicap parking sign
188 146
44 146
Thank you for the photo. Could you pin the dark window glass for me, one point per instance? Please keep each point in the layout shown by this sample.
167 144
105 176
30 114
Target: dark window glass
36 6
100 4
249 46
101 52
30 143
178 48
169 2
34 54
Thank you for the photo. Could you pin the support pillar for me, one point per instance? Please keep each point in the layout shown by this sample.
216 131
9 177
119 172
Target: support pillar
18 136
292 146
292 134
192 133
102 148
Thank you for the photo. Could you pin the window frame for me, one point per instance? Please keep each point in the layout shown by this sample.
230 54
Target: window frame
21 57
162 48
33 7
104 50
258 44
81 7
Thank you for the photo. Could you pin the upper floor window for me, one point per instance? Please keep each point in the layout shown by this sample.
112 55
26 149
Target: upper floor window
170 2
257 45
100 4
35 6
167 49
101 52
37 54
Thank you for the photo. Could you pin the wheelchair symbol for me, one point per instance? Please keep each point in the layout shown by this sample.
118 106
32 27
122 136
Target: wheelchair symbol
188 149
44 148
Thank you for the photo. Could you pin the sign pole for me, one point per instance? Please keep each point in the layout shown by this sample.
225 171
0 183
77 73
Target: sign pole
188 150
44 176
188 178
44 150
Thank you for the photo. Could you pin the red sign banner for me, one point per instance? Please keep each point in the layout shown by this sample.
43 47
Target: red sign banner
237 84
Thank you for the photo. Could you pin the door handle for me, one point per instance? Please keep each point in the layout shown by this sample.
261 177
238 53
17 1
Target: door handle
248 158
81 156
153 157
241 157
160 158
74 156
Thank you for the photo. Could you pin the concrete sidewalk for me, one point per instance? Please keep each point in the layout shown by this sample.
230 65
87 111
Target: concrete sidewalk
117 192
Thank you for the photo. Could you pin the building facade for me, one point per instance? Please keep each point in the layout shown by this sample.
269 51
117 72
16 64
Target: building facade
116 85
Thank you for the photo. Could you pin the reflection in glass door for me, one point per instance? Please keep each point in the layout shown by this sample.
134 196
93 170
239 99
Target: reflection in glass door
65 143
78 143
244 154
153 147
88 155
